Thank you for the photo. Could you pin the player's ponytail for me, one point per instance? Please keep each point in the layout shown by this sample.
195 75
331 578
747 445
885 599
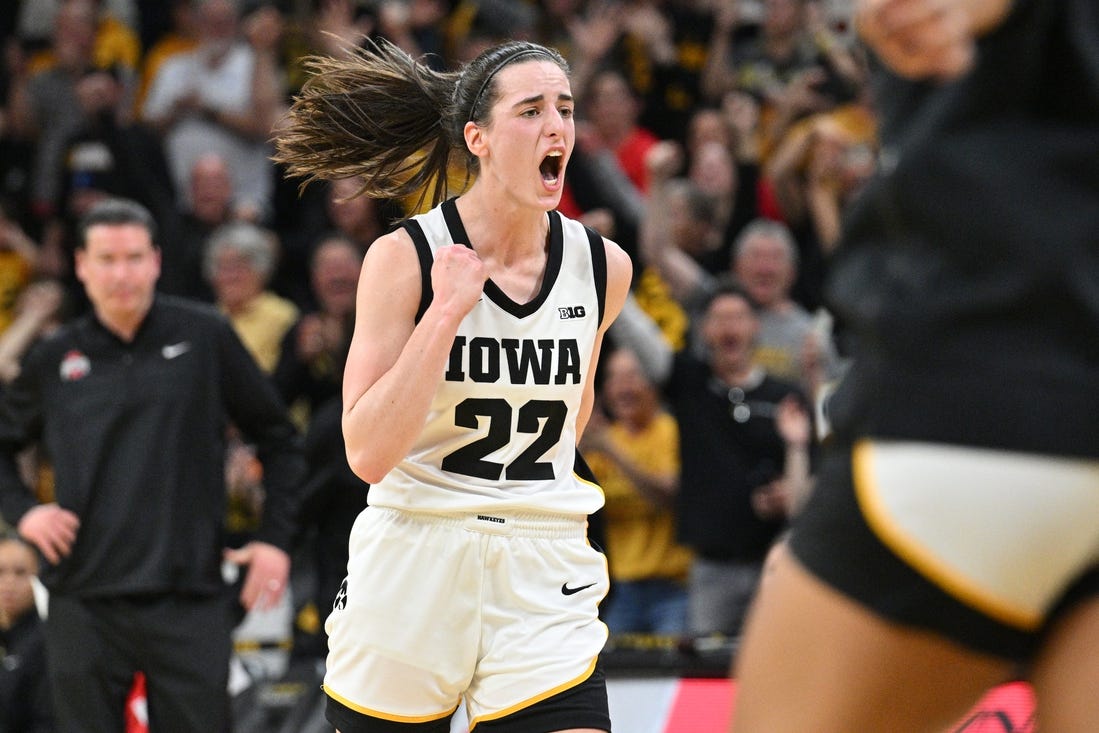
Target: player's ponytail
377 114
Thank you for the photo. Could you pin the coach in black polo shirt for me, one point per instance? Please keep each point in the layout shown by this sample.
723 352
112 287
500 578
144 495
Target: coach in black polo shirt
130 404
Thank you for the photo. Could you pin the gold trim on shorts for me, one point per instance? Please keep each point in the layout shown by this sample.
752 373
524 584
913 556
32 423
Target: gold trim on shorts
534 700
956 548
386 716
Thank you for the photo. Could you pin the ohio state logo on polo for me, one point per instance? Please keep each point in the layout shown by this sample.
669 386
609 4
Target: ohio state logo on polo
75 366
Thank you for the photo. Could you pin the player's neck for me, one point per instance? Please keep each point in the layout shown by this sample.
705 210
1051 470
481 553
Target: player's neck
500 229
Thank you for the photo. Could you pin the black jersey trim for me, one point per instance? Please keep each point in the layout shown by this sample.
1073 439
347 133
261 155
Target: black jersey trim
423 252
492 290
599 269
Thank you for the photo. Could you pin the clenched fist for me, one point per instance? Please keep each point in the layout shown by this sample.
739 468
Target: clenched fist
457 278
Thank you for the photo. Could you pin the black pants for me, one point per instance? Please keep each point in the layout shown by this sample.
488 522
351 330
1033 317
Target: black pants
182 644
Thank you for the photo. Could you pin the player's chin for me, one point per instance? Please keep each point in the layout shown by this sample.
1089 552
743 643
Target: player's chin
549 192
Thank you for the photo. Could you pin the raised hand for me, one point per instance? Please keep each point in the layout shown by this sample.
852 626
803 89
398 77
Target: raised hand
457 279
923 39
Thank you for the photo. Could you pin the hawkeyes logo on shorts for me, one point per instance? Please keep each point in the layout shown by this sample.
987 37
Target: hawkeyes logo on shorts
341 597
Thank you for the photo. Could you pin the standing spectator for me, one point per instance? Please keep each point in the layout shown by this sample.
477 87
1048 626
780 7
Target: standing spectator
730 128
611 146
223 97
130 403
116 42
239 260
764 263
744 452
45 107
108 155
816 170
111 155
181 37
791 64
664 53
25 705
635 457
612 112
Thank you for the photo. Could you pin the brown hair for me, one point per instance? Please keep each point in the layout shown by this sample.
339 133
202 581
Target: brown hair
395 122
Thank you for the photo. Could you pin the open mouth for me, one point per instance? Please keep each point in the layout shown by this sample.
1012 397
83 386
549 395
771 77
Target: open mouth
550 167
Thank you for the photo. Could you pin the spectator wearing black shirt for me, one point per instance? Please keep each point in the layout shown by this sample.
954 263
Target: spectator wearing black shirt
310 364
131 403
744 452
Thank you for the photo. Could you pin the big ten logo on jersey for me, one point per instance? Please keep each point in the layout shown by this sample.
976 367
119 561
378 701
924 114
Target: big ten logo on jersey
569 312
483 359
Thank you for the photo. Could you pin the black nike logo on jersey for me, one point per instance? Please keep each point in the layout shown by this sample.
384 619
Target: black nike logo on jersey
566 590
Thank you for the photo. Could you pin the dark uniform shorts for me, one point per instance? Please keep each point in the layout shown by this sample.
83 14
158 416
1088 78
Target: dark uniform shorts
582 706
985 547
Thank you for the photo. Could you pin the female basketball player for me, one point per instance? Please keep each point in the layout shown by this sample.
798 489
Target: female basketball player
953 536
469 381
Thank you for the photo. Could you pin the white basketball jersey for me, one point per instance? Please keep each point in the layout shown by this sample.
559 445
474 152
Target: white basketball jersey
501 432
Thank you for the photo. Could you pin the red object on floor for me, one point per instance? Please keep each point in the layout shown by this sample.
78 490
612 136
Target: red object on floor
137 718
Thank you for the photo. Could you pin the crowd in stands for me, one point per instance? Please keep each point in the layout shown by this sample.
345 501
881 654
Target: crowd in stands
718 141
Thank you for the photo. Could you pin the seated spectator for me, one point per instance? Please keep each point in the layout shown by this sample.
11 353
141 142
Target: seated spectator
238 263
635 457
25 705
359 218
334 208
209 205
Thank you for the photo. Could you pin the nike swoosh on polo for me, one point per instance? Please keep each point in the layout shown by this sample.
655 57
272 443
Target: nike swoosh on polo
566 590
171 351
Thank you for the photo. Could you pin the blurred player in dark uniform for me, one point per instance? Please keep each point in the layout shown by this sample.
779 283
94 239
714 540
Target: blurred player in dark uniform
953 537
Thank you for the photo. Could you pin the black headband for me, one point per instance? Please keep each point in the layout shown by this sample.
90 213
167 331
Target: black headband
499 65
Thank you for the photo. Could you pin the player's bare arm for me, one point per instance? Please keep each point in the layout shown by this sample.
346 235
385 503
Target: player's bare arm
394 364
